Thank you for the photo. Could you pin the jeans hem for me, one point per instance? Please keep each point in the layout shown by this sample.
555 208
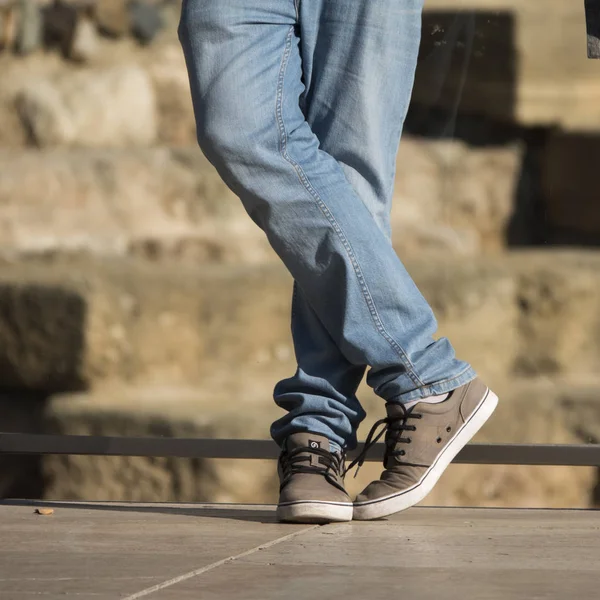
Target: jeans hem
437 388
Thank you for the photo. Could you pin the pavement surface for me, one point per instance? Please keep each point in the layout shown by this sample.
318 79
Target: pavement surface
228 552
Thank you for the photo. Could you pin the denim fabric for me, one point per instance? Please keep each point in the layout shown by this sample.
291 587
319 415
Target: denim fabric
299 105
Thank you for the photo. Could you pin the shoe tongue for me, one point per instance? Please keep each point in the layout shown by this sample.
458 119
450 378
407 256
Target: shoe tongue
307 440
396 410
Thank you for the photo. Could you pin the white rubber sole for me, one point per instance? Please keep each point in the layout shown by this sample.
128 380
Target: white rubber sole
314 512
388 505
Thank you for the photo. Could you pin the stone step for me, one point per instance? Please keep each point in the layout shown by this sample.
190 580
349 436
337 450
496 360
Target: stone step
537 410
170 203
521 62
153 203
72 324
76 324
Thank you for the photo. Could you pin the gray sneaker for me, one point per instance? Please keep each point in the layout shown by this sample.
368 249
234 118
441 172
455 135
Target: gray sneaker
312 482
420 443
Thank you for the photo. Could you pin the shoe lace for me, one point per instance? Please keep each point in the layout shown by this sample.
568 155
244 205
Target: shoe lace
393 428
330 464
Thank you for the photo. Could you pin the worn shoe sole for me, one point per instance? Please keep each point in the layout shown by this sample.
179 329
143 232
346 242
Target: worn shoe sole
388 505
315 512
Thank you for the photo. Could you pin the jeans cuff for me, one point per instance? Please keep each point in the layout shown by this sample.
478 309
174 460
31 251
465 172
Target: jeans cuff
437 388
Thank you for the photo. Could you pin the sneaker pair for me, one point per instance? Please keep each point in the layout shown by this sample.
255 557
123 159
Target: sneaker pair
420 443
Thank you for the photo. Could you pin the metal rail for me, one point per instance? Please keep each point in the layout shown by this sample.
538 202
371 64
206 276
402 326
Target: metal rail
488 454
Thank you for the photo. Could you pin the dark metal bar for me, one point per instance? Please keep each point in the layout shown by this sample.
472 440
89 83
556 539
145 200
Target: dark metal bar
500 454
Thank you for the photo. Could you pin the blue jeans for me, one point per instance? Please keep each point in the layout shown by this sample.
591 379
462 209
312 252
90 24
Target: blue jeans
299 105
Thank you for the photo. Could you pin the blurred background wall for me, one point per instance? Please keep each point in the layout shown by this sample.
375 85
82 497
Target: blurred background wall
137 298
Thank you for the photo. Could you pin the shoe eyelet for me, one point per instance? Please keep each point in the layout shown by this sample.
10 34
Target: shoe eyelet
402 453
439 440
448 429
409 441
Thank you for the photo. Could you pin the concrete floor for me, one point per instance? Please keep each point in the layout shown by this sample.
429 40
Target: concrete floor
200 552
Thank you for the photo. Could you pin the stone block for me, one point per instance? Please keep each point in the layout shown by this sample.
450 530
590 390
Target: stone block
16 72
103 107
467 61
12 133
29 36
84 45
112 17
474 303
559 320
453 198
146 20
158 204
9 20
42 329
77 325
509 60
60 22
569 180
167 70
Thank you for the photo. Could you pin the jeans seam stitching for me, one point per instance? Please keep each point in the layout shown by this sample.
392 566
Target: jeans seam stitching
327 213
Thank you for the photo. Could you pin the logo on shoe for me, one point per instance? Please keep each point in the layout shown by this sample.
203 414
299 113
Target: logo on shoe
314 444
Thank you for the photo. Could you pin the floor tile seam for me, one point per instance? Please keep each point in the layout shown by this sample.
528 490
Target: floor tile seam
197 572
